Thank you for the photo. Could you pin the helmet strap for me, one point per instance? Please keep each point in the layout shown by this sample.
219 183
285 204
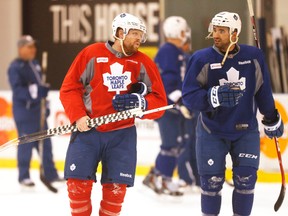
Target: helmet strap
209 36
228 49
122 44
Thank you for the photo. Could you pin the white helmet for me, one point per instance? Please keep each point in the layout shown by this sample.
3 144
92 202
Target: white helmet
226 19
173 27
126 22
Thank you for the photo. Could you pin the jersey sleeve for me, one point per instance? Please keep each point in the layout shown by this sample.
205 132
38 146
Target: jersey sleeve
20 91
72 89
157 97
193 88
170 69
264 96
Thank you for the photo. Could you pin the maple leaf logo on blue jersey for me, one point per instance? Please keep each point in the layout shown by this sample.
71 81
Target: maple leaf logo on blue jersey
117 81
233 79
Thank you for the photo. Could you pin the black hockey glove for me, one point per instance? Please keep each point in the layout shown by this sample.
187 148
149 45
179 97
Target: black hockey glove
139 88
129 101
274 127
224 95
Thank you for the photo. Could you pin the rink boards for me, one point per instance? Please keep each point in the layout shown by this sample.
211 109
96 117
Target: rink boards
148 139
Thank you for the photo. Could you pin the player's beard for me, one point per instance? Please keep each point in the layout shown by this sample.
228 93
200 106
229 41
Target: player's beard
222 46
131 48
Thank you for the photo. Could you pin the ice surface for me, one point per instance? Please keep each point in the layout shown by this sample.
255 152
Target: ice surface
139 201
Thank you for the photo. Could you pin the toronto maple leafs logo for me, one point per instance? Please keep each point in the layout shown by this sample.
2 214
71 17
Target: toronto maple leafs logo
117 81
233 79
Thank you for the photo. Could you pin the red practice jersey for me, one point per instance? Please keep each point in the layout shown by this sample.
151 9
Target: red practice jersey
98 73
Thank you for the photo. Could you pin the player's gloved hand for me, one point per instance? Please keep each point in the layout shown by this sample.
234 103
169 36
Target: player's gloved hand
129 101
43 91
224 95
273 127
185 112
81 124
139 88
183 109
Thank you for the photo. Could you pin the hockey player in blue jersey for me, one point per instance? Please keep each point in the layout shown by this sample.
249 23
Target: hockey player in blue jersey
228 83
171 62
187 163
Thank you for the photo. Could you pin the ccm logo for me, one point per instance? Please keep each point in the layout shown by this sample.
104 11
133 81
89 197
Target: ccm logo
244 155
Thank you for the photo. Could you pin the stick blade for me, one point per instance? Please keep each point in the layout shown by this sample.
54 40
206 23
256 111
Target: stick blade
280 198
9 144
48 184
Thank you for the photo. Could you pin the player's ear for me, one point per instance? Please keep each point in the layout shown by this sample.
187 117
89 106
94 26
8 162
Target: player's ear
120 33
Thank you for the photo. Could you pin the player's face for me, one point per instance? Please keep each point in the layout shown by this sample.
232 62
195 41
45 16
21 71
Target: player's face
28 52
133 40
221 37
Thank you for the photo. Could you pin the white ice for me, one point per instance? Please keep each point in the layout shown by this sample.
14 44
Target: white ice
139 201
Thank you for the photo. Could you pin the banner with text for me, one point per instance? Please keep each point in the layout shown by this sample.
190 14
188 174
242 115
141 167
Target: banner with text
64 27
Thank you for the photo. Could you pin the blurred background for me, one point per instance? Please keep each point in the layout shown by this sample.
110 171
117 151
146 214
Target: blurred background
64 27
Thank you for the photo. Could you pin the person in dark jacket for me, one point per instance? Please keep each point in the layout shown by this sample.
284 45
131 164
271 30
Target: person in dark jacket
24 75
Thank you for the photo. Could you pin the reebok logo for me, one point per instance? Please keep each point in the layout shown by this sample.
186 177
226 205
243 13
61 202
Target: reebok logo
125 175
244 62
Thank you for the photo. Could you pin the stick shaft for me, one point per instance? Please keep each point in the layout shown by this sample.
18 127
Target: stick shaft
253 22
61 130
281 196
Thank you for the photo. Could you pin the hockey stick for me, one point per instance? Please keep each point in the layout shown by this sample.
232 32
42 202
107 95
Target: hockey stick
283 186
42 127
253 22
95 122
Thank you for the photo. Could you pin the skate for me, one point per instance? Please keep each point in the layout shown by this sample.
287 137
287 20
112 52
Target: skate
171 188
27 183
153 181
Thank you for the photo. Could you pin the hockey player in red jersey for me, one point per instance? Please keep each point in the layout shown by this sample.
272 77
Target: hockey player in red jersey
105 78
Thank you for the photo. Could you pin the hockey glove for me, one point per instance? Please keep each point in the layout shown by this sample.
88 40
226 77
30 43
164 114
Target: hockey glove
183 109
224 95
139 88
129 101
274 127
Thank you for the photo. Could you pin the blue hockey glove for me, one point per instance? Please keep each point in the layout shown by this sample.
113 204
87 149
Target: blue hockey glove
224 95
274 127
139 88
129 101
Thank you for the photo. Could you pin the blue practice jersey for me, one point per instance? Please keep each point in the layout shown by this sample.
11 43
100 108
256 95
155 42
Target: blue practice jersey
246 69
171 63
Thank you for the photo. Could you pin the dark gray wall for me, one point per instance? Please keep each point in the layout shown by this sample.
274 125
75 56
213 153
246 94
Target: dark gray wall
199 13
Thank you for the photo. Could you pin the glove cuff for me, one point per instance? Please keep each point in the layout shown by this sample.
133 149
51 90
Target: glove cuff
141 101
274 126
213 97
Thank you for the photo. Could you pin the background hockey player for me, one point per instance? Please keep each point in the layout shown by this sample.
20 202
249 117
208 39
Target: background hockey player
187 163
227 83
25 80
105 78
171 62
